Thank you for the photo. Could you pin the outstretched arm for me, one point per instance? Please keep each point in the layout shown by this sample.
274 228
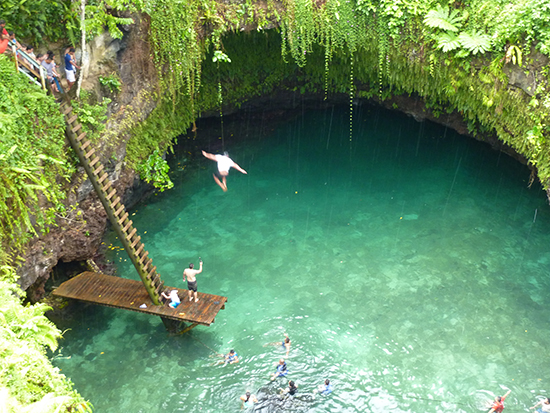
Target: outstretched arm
199 270
238 168
210 156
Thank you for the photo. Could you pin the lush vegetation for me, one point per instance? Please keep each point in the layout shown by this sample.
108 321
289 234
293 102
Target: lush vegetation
457 56
32 159
28 381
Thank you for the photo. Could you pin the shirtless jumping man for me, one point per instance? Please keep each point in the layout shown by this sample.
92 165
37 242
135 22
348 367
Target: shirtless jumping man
224 164
191 276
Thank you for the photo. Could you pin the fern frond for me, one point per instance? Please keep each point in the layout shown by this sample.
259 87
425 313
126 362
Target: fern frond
448 42
475 42
443 18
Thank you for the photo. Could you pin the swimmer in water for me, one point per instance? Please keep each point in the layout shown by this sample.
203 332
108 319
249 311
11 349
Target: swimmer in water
231 358
285 344
544 406
281 370
248 400
324 389
224 164
291 389
498 404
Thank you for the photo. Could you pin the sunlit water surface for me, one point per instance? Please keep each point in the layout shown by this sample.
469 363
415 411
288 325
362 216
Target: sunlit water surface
409 265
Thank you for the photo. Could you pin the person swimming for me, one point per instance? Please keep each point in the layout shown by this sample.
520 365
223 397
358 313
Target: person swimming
281 370
248 400
231 358
285 344
325 389
291 389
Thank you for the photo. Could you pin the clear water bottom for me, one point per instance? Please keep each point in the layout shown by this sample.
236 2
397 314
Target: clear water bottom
408 265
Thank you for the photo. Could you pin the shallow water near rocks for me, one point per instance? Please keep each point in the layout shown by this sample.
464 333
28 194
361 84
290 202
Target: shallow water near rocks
408 264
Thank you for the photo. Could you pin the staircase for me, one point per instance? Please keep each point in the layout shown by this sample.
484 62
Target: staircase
113 206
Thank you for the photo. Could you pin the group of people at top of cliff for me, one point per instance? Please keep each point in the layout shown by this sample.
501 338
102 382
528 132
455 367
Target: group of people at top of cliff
47 60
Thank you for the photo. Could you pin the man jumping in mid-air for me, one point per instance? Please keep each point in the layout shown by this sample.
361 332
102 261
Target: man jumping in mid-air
224 164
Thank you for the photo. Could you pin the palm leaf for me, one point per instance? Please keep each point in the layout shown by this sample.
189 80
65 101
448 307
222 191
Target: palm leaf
443 18
448 42
475 42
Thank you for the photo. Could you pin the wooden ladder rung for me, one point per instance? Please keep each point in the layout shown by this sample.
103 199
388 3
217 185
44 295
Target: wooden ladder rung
146 265
131 234
135 241
159 287
115 202
68 110
128 225
72 119
98 170
156 280
138 251
96 160
110 195
107 185
121 220
85 145
81 136
144 256
92 151
151 272
119 210
103 177
77 127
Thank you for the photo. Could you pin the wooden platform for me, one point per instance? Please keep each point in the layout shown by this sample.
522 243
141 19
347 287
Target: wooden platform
127 294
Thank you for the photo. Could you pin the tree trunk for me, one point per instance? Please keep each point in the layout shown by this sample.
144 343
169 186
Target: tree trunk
83 28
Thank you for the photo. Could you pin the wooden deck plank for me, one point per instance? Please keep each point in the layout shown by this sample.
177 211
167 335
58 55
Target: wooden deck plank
127 294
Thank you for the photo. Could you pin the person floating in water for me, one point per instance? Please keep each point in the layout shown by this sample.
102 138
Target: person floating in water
191 274
285 344
324 389
173 297
498 404
231 358
248 400
291 389
281 370
544 406
224 164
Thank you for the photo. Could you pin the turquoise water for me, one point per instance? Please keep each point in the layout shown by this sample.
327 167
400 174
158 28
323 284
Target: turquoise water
408 264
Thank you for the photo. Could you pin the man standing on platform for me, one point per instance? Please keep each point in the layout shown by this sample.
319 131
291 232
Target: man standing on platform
190 274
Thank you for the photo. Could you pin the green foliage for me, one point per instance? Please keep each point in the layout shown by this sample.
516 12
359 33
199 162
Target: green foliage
29 382
111 82
39 19
475 42
524 21
443 19
419 47
154 170
99 15
92 116
32 158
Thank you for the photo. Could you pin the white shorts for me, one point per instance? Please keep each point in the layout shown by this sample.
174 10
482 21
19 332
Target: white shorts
70 74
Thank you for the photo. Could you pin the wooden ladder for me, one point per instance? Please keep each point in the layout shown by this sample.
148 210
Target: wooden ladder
112 203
